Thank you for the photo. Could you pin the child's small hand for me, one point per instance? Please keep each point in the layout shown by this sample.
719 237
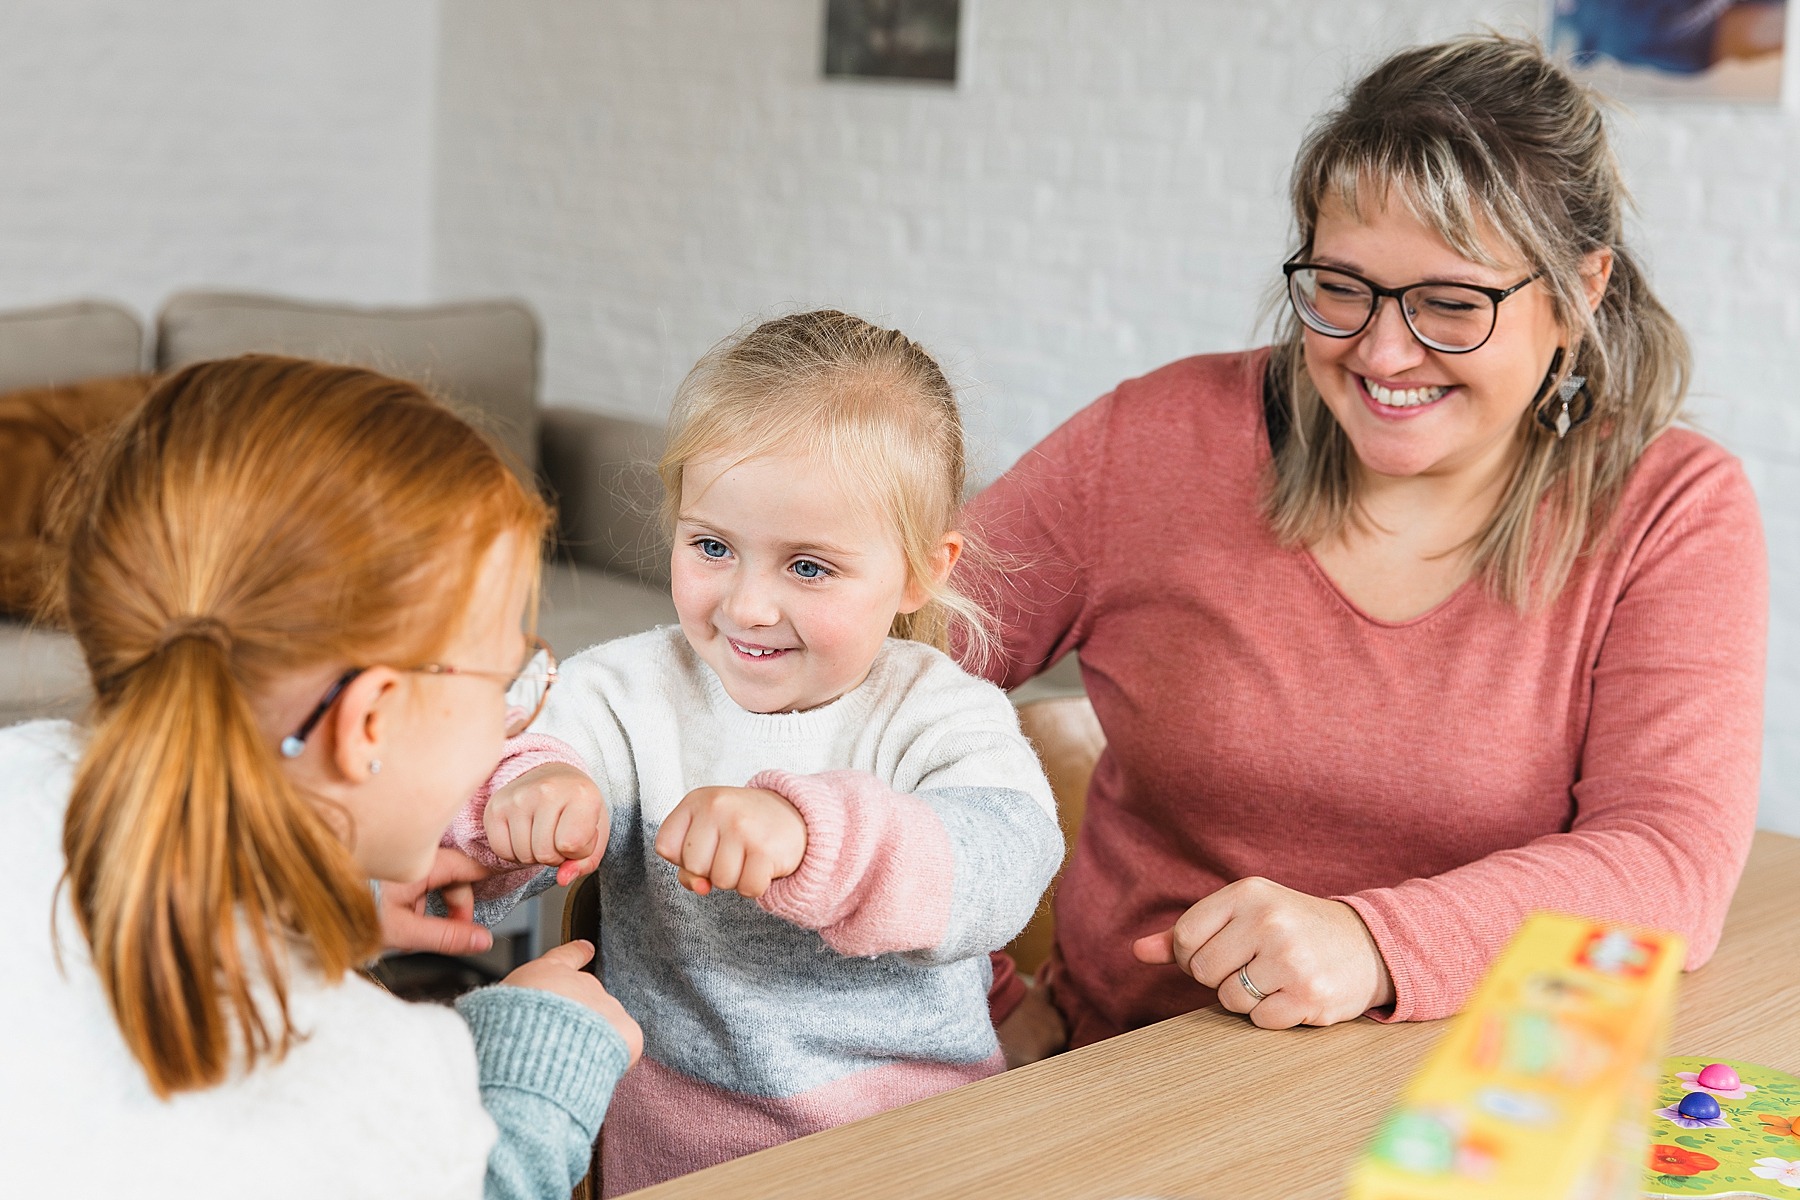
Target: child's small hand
559 971
551 814
741 839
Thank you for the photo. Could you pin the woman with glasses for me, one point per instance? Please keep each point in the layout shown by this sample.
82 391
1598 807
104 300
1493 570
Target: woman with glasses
1421 619
299 590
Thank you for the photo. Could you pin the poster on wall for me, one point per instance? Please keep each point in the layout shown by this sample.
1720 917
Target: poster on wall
892 39
1675 49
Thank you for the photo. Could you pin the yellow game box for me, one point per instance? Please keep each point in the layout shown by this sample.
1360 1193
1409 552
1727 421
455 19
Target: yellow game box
1539 1087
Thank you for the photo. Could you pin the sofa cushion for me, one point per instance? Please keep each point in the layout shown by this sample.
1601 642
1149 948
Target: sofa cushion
602 474
41 674
480 357
582 607
63 343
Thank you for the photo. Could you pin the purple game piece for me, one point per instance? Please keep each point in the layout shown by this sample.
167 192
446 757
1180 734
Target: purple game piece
1719 1078
1699 1106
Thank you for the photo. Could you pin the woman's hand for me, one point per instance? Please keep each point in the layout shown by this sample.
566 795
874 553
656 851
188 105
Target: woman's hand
1313 960
740 839
559 971
405 925
554 815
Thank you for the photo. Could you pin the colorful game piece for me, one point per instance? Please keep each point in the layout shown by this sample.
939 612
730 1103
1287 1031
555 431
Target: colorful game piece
1698 1106
1752 1148
1718 1077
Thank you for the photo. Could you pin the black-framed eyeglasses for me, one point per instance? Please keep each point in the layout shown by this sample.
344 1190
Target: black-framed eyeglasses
526 691
1452 318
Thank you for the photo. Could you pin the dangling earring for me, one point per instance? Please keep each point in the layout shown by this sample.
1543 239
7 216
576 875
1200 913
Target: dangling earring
1561 414
374 766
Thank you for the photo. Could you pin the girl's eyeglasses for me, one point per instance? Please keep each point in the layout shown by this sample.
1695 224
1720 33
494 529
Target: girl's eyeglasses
526 690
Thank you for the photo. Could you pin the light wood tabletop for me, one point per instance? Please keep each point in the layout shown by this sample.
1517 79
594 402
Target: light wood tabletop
1208 1107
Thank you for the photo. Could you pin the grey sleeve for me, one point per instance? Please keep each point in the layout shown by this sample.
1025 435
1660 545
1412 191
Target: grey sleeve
1007 849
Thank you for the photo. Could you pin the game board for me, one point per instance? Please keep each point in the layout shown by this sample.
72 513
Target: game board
1752 1148
1539 1087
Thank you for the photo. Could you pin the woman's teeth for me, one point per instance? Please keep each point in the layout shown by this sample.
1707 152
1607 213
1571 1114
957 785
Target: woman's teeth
1403 398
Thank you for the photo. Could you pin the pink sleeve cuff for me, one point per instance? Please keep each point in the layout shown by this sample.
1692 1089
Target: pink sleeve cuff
879 869
524 753
1406 988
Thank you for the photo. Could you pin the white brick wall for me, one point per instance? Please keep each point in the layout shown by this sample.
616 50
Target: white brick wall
185 143
1102 193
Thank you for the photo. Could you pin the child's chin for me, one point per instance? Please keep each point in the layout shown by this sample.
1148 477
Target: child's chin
752 699
769 701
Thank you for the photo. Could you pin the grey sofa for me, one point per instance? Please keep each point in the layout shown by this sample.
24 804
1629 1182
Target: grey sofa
607 581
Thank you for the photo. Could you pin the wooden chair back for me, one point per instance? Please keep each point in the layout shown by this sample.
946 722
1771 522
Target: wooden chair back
581 919
1068 740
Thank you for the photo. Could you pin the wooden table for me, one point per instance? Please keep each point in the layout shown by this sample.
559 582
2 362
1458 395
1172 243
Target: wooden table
1208 1106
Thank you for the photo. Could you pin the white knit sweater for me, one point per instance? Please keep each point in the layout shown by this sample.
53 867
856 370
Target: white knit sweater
380 1100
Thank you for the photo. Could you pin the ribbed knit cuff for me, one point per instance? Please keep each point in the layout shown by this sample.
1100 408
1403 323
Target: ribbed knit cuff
1398 968
546 1045
813 891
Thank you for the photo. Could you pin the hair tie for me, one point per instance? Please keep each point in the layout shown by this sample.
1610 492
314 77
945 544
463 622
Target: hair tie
208 629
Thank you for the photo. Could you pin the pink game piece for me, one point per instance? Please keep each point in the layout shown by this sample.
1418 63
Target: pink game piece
1718 1076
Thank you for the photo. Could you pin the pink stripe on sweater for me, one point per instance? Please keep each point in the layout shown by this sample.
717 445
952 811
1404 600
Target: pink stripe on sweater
662 1123
466 833
879 868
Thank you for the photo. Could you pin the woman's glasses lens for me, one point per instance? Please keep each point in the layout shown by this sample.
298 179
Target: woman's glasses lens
1335 305
1444 316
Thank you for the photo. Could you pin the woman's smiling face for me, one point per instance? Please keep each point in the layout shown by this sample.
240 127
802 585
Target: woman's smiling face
1409 410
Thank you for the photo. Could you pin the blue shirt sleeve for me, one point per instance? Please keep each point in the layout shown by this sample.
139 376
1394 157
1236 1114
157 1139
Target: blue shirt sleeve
548 1067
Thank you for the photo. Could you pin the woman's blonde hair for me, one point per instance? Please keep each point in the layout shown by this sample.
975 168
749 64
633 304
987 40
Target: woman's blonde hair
256 517
1486 133
866 402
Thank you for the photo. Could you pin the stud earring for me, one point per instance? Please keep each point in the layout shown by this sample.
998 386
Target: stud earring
374 766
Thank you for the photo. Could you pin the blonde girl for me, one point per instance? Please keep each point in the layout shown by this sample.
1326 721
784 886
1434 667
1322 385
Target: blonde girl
814 825
299 590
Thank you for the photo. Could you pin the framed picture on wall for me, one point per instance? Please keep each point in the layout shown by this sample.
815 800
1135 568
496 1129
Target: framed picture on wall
892 39
1675 49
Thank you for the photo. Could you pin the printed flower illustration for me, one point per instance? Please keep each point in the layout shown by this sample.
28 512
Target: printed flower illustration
1673 1113
1691 1081
1673 1160
1780 1126
1779 1169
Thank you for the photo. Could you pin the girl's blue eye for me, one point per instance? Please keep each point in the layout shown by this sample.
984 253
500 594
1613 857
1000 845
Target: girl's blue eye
807 569
713 547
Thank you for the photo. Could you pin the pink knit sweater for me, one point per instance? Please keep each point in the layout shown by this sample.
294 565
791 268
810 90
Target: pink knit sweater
1444 775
